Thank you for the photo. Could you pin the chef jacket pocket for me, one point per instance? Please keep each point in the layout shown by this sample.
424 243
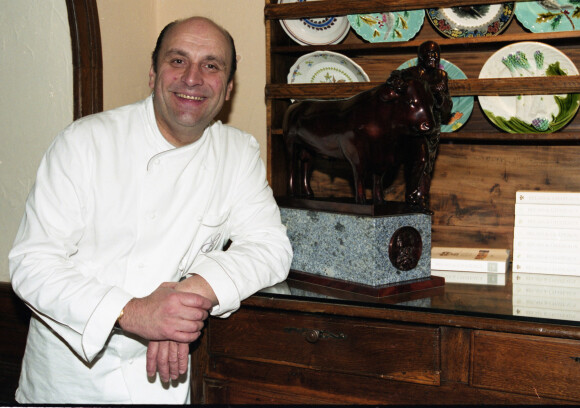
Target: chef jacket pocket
213 232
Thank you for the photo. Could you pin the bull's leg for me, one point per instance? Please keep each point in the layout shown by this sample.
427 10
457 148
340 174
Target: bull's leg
360 190
359 187
378 193
291 157
418 168
305 160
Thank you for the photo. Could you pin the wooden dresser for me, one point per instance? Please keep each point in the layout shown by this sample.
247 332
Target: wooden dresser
458 344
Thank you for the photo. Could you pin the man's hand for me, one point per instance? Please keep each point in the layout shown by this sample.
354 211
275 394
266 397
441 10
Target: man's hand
166 314
169 358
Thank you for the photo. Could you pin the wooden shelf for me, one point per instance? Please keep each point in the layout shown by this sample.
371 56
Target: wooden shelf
464 87
498 136
567 36
345 7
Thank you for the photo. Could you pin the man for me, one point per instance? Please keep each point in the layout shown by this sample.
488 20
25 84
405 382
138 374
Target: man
120 252
428 69
423 151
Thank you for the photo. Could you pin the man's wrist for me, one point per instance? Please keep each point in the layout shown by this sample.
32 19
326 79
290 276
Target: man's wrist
118 321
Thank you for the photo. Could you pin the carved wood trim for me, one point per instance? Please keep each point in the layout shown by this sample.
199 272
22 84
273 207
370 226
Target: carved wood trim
87 57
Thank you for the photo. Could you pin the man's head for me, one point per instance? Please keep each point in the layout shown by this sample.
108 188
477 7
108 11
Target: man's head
155 54
429 55
191 76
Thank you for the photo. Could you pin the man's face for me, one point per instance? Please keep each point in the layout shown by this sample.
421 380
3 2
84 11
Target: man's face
190 85
429 57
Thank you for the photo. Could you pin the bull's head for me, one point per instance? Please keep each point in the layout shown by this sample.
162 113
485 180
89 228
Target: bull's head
413 100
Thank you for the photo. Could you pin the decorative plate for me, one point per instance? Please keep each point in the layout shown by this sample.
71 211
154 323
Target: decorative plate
327 67
387 27
472 21
547 16
529 113
462 105
316 30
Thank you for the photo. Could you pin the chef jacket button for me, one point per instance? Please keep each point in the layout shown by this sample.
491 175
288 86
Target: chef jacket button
152 216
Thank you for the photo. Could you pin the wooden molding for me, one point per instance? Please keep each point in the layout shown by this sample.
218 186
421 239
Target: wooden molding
87 57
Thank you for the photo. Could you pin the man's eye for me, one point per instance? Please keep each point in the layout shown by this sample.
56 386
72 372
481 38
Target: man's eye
177 61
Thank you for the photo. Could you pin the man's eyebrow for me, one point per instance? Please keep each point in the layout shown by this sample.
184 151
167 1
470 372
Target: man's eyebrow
177 51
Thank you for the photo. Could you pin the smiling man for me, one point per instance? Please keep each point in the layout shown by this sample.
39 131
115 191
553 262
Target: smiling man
120 254
190 78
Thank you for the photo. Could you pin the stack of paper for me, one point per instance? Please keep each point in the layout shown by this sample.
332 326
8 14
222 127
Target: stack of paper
484 266
546 295
546 254
547 233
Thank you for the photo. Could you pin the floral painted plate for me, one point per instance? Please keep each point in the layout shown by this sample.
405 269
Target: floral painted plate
317 30
472 21
529 113
548 16
462 105
387 27
325 67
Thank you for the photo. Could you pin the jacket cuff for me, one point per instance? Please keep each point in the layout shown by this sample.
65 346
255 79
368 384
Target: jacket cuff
224 288
100 324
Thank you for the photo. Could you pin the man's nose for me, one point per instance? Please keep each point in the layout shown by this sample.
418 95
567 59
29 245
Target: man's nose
192 75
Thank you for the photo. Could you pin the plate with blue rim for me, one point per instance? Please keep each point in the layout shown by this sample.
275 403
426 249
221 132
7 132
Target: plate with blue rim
315 30
462 105
387 26
325 67
529 113
549 16
472 21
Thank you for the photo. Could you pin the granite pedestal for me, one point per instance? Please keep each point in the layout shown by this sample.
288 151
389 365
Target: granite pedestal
367 249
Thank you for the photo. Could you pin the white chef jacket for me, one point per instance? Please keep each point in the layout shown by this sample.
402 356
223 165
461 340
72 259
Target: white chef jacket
116 210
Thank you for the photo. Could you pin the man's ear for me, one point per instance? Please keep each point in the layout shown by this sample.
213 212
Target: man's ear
229 89
152 76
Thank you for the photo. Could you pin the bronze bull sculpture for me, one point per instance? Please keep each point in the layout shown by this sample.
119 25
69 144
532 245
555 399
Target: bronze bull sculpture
375 131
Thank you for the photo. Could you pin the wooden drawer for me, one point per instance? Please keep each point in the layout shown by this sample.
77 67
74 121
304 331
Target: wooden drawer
339 345
541 366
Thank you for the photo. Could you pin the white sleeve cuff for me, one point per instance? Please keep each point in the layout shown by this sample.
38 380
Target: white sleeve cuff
102 320
224 288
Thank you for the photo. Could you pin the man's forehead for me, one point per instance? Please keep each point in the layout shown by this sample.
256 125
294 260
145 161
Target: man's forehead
188 36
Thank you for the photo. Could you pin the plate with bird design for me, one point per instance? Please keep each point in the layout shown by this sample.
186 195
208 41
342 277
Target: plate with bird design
548 16
472 21
388 27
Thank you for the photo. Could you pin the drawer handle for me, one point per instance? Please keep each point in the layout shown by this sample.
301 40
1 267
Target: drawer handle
313 335
576 359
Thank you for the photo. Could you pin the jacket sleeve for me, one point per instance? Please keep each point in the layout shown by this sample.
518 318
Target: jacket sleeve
62 293
260 253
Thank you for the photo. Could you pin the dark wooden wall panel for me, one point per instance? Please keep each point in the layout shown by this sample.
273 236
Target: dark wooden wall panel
14 328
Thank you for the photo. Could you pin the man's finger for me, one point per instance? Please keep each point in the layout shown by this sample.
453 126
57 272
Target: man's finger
173 360
152 350
183 357
162 361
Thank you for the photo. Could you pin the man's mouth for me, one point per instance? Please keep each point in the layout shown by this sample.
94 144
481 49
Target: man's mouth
191 98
